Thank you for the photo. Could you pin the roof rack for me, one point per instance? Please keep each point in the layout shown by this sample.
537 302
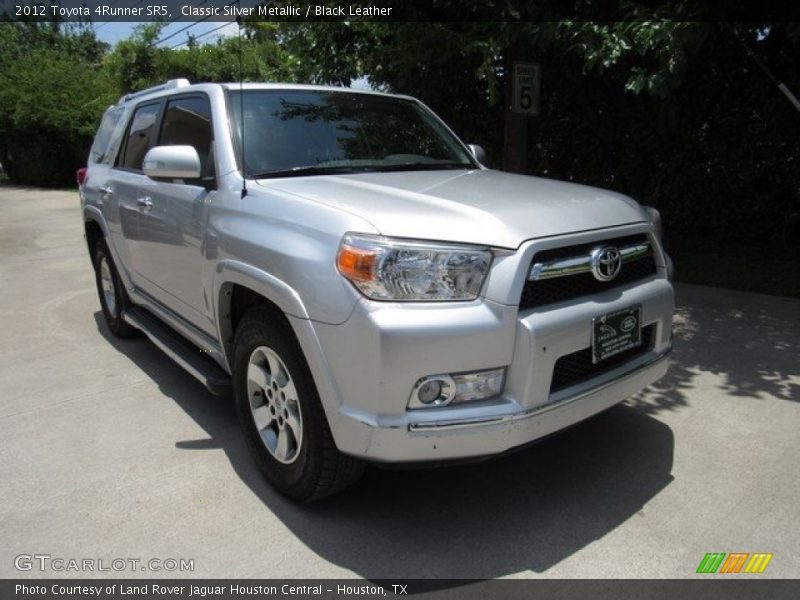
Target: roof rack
172 84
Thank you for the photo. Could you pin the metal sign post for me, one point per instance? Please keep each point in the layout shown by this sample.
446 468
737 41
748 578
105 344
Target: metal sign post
522 102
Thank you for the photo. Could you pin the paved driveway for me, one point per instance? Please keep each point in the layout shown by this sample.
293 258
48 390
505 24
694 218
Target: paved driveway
107 450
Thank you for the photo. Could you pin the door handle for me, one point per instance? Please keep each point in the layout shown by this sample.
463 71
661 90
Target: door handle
106 191
145 203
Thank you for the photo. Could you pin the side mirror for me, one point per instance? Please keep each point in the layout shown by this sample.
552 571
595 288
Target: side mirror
172 162
478 152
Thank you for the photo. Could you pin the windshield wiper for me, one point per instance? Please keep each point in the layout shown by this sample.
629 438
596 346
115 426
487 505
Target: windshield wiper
306 170
341 169
423 166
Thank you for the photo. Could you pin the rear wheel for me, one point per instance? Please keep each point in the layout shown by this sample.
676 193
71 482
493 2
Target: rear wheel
281 414
113 298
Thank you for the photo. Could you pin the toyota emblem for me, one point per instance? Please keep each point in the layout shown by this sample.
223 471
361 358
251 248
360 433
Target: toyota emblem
606 263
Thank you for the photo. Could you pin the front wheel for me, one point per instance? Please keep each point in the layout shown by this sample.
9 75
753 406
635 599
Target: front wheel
281 414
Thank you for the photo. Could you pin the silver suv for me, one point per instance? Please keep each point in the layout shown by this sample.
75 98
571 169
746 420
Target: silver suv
367 290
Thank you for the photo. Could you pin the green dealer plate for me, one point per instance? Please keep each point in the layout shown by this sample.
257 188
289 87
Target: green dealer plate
616 332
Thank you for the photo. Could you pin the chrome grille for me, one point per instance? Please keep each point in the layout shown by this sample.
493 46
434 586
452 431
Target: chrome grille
556 284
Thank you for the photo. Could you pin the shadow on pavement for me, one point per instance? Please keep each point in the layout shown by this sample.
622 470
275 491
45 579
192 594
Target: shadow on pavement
751 342
524 511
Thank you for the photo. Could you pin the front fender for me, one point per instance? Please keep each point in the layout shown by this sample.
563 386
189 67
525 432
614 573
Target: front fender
230 272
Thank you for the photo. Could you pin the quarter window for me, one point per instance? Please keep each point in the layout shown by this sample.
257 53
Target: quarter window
101 148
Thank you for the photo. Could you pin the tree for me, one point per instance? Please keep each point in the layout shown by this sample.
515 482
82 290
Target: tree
137 63
140 61
669 110
52 94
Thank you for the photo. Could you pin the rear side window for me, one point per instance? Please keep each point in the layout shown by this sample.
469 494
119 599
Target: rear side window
140 136
187 122
101 147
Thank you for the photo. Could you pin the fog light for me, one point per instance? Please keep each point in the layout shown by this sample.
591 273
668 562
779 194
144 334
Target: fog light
441 390
434 390
429 391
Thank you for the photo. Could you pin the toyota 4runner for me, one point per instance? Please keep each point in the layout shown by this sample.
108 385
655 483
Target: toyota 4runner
364 287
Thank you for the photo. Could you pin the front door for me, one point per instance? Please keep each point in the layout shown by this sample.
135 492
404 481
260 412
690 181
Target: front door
174 216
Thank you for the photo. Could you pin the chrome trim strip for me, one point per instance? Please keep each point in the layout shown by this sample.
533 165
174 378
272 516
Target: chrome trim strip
437 426
582 264
634 252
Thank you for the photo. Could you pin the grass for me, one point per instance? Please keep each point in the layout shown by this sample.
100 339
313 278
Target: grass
762 268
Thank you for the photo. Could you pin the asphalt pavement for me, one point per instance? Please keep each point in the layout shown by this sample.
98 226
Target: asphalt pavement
109 451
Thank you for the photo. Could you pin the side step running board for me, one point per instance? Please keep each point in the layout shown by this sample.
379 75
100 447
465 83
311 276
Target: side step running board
183 352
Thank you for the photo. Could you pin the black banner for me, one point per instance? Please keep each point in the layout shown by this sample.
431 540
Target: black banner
329 589
170 11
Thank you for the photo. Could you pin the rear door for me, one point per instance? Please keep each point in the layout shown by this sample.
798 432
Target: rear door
171 233
127 185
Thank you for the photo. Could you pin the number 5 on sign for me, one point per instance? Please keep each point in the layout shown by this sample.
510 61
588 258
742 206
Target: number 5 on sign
525 89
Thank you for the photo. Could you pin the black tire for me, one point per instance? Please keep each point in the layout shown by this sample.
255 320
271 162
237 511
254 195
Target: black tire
112 311
318 468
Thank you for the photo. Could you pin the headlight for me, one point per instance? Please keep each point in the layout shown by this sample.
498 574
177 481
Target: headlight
406 270
655 219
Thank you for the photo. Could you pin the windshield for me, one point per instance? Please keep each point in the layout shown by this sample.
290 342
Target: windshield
294 132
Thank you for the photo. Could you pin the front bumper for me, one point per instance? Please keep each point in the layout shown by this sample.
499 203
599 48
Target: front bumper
488 435
366 367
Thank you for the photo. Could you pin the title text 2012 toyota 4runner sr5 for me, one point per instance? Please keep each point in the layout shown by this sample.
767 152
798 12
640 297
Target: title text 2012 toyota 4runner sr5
368 289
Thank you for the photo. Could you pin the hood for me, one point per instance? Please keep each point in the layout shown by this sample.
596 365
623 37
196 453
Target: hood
483 207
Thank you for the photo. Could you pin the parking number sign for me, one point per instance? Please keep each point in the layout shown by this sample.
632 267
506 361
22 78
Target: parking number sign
526 89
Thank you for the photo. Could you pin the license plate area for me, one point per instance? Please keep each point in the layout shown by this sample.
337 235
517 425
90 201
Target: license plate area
616 332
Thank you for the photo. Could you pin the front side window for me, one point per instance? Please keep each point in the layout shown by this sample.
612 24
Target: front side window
140 136
290 132
187 122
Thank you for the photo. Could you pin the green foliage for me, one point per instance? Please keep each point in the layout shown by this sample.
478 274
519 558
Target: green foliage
669 110
713 146
51 96
663 106
140 62
56 80
136 63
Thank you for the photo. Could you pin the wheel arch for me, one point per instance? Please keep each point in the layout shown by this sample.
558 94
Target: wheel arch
94 228
238 287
